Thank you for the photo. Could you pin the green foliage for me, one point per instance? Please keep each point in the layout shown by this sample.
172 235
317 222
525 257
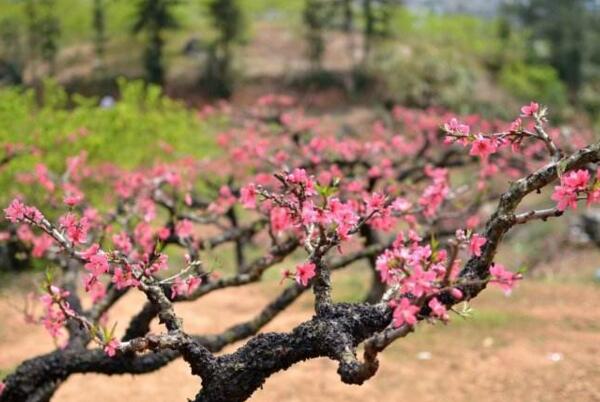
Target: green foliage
425 76
561 26
539 82
471 37
131 133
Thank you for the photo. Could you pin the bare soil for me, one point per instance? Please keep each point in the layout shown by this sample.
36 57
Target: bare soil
540 344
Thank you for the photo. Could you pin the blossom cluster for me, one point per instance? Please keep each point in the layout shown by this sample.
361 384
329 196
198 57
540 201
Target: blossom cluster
328 189
420 273
576 185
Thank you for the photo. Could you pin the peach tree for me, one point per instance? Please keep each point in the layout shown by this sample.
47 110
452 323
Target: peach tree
421 199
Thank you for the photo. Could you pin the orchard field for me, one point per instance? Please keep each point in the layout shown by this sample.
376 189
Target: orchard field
229 200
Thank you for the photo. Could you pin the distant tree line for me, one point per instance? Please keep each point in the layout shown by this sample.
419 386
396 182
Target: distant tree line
151 21
561 33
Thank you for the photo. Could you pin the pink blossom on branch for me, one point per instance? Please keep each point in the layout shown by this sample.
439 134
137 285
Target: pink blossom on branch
15 212
505 279
404 313
184 229
454 126
18 212
483 146
530 110
477 241
76 229
111 347
305 272
185 288
248 196
438 309
571 184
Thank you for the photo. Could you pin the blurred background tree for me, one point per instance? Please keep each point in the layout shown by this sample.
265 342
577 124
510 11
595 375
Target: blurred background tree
153 17
315 18
414 52
43 32
12 57
99 24
227 21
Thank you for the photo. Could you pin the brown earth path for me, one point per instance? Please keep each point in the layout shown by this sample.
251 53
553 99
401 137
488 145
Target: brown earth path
540 344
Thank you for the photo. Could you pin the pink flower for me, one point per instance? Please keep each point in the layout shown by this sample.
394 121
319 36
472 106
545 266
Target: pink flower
477 241
456 293
300 177
193 283
454 126
91 251
309 214
184 228
305 272
565 198
161 263
76 230
2 387
280 219
147 209
111 347
375 202
187 199
473 222
41 244
25 234
401 205
571 183
405 313
43 177
123 278
384 265
96 290
483 147
225 200
530 110
593 197
122 242
342 215
164 233
434 195
516 125
92 215
97 265
505 279
577 180
438 309
185 288
15 212
73 196
248 196
53 320
419 282
178 288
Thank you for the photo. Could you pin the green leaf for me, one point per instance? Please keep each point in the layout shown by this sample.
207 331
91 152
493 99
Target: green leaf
561 167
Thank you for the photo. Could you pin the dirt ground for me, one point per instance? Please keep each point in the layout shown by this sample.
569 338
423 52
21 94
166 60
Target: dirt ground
540 344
